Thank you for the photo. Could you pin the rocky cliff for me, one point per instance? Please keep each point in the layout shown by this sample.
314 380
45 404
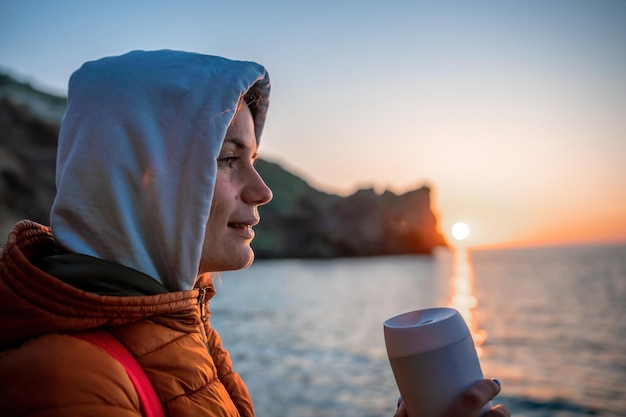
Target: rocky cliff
300 222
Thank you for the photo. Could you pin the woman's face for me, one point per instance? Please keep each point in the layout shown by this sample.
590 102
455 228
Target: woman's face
239 191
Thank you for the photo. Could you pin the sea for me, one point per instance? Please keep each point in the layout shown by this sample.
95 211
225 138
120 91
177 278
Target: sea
548 322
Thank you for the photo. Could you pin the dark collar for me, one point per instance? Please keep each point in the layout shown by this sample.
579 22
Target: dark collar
98 276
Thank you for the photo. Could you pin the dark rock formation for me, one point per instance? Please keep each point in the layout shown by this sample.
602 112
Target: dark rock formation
304 222
300 222
29 125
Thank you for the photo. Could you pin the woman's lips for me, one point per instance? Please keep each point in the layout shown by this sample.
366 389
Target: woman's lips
242 229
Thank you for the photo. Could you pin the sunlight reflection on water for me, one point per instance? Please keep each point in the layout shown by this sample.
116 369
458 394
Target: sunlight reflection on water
463 298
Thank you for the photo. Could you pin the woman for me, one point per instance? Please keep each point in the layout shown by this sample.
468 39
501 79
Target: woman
156 190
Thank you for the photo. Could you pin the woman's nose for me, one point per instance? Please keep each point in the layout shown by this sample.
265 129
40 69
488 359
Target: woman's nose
256 191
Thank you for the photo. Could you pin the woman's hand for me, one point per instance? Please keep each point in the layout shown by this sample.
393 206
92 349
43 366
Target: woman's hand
475 397
471 402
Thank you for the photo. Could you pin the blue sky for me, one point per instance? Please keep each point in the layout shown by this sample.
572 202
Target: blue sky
513 111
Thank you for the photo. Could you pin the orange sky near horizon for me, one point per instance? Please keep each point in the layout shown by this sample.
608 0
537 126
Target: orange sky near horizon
549 231
582 225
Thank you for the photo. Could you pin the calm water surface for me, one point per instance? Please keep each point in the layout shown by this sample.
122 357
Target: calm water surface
307 338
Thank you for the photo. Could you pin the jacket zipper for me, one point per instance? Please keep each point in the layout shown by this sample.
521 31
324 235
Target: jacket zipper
203 305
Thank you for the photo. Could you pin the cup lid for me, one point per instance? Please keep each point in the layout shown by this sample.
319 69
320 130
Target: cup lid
422 331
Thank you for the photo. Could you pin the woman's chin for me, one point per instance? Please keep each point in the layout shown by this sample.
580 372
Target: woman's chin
237 258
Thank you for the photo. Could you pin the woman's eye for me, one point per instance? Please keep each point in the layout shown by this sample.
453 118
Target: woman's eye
227 161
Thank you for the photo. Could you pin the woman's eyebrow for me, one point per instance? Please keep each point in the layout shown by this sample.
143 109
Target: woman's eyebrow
237 142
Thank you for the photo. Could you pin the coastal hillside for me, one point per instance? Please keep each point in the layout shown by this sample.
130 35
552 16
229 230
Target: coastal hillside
300 222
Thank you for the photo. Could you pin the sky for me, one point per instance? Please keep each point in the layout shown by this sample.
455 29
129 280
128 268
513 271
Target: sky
513 112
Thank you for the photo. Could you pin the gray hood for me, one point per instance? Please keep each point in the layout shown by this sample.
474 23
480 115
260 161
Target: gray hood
137 156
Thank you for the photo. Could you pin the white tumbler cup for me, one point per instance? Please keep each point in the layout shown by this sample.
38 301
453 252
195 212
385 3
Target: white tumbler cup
433 359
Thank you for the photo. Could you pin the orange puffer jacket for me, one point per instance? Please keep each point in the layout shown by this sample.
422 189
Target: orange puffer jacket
44 370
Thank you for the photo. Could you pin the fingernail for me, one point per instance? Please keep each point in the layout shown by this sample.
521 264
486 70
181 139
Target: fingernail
497 382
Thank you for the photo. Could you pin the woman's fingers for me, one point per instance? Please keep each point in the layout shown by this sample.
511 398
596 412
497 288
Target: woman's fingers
498 410
401 411
471 402
473 399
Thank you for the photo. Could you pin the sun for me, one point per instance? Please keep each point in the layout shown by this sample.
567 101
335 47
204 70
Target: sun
460 231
